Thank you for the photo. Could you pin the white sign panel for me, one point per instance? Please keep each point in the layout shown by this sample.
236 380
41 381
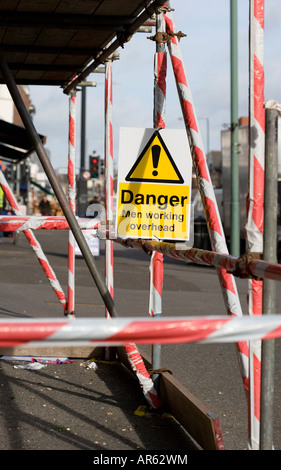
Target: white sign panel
92 241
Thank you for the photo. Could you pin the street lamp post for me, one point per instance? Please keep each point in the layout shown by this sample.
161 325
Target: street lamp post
235 206
82 196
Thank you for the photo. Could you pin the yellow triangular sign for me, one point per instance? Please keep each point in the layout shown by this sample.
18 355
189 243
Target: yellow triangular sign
155 164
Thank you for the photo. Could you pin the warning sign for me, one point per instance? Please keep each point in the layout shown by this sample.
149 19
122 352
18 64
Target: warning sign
150 211
154 181
155 164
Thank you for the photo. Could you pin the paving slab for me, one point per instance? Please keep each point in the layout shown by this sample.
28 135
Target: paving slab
73 406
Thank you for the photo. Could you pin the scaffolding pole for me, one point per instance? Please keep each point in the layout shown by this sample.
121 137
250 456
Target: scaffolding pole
269 286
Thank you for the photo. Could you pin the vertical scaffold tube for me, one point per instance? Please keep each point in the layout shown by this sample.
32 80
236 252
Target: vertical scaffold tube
204 182
156 261
255 215
35 245
72 201
160 73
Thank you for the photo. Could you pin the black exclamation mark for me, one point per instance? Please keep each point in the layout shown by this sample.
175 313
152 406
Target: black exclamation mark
156 149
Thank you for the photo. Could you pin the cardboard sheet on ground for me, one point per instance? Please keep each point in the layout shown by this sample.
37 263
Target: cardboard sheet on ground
92 241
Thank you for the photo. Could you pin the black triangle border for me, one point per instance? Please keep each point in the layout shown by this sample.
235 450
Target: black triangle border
147 180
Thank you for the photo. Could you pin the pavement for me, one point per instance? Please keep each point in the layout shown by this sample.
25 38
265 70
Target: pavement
80 403
73 407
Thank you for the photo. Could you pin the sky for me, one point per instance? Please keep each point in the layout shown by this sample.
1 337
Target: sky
206 56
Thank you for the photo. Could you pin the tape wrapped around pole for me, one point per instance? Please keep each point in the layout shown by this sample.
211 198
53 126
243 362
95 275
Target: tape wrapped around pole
218 243
134 358
255 211
35 245
243 267
156 267
108 166
19 222
71 175
159 110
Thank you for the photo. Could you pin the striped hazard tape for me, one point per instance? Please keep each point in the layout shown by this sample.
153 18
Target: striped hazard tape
120 331
10 223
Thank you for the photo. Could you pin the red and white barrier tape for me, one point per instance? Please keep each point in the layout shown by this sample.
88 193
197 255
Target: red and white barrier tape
35 245
119 331
240 267
108 186
255 216
71 174
217 238
10 223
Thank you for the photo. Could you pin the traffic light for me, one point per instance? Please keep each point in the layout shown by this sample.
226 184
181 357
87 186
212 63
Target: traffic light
95 166
9 174
2 166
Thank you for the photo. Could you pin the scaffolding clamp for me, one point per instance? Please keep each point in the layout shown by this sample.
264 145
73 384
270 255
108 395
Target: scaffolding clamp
123 38
243 266
159 371
163 37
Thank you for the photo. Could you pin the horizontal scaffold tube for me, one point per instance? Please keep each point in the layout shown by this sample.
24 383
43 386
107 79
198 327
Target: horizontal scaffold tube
244 267
11 223
139 330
